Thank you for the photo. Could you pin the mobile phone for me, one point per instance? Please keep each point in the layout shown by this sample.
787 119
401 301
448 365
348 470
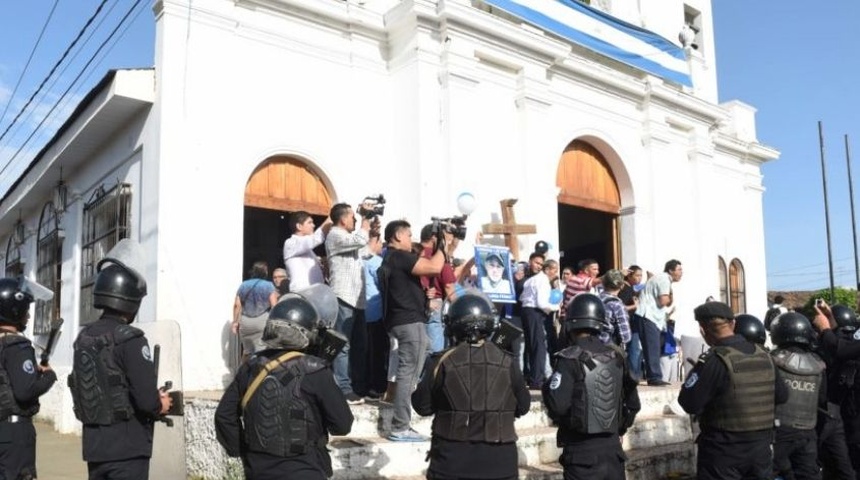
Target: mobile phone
819 302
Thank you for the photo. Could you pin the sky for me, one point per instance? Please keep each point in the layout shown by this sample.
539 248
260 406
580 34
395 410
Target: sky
796 63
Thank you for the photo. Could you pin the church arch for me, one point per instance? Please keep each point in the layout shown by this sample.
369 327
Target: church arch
279 186
591 194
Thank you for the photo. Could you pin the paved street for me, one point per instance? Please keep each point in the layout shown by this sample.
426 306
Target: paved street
58 456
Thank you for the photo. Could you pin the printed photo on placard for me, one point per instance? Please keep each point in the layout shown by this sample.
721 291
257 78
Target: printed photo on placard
494 273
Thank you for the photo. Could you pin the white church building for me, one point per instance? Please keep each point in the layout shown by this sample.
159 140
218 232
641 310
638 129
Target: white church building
599 119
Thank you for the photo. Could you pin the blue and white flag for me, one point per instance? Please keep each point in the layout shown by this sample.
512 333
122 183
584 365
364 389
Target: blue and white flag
604 34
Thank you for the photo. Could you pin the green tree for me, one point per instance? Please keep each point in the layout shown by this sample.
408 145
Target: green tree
844 296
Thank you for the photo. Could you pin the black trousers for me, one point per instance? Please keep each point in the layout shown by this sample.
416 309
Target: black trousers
378 346
130 469
535 338
738 461
832 447
583 463
797 458
17 450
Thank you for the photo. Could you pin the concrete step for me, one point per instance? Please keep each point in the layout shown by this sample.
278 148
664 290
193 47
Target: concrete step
365 454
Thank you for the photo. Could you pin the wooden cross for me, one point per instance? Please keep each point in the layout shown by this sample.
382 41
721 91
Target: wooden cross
509 227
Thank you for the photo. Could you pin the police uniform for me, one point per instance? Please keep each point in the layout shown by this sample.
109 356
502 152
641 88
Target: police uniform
733 389
115 393
301 394
282 405
838 446
475 390
795 451
21 385
591 396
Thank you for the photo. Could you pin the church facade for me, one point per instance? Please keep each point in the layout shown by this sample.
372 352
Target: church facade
595 117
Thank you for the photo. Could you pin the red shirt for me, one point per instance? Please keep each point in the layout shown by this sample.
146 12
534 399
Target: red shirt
445 277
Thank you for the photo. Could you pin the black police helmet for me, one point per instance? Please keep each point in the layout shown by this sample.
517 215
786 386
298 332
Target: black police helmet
471 317
14 302
585 312
119 288
791 328
293 324
846 319
751 328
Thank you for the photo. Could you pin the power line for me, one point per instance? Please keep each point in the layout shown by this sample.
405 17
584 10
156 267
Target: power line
44 94
29 59
45 80
90 61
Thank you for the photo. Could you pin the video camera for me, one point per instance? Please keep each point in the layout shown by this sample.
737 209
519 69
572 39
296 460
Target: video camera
454 225
372 206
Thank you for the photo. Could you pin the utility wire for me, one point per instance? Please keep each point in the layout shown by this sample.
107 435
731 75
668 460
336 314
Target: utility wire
29 59
92 58
80 34
44 94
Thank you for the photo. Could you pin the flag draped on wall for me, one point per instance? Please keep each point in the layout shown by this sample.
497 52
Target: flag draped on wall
604 34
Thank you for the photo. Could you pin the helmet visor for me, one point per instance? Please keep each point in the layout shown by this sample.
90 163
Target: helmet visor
37 290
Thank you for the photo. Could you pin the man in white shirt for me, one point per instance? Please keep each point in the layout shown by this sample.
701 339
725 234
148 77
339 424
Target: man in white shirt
299 257
537 321
343 247
653 308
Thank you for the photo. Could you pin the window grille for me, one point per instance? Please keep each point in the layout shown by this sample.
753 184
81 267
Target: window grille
49 264
106 221
14 265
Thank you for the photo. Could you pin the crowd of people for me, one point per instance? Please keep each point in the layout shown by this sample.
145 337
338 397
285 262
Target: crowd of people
408 332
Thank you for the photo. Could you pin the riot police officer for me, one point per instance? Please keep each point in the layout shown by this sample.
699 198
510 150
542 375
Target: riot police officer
839 425
22 382
282 405
113 380
795 450
734 389
751 328
591 396
476 390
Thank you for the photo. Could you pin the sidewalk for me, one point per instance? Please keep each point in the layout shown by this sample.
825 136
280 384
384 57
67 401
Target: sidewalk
58 456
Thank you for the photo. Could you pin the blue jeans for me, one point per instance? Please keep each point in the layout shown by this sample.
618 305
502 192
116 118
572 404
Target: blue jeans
634 347
435 332
350 365
652 348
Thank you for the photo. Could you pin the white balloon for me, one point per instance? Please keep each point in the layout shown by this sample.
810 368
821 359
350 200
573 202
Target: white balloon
466 203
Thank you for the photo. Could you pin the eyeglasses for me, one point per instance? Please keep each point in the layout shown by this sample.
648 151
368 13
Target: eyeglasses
279 277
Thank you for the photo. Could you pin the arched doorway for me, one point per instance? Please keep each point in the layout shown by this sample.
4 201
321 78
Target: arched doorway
278 187
588 206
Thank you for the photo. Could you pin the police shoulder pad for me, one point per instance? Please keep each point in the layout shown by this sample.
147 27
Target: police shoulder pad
124 333
571 353
311 364
705 356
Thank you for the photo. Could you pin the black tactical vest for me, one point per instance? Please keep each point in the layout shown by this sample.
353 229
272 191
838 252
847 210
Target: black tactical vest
804 375
8 405
748 404
99 387
597 390
477 386
278 419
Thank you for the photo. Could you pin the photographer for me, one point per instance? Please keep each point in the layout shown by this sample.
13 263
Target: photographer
438 288
404 314
346 278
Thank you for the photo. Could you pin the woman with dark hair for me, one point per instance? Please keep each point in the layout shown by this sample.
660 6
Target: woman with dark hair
251 307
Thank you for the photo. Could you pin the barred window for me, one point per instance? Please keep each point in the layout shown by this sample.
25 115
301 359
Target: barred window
49 264
14 265
724 282
737 287
106 221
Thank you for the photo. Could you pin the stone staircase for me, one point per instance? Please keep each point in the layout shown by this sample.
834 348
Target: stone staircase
658 446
